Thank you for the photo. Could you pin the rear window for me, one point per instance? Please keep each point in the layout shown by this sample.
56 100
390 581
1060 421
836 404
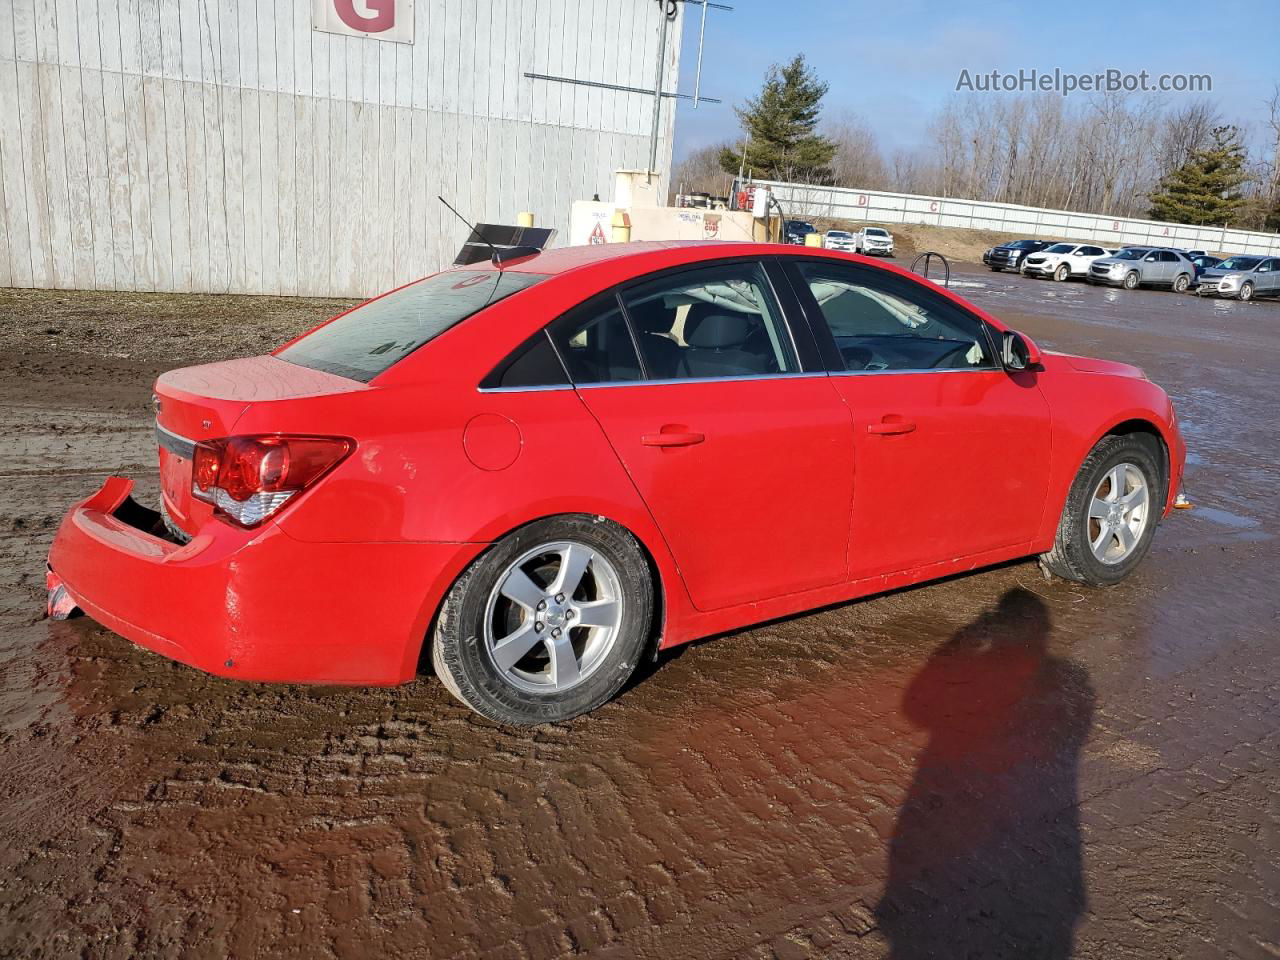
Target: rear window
373 337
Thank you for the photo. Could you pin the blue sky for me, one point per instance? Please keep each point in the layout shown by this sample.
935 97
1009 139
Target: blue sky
895 63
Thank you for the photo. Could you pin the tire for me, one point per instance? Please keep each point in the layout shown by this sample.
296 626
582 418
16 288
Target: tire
1062 272
1131 280
1246 292
995 269
479 612
1083 550
1180 283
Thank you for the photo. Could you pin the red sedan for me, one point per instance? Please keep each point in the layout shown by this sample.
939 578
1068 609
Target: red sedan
549 470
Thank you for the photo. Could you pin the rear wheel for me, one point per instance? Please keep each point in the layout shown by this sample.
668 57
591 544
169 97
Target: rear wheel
548 624
1062 272
1181 283
1246 292
1111 512
1131 280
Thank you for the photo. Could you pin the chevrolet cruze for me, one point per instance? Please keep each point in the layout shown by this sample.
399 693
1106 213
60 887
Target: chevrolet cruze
540 472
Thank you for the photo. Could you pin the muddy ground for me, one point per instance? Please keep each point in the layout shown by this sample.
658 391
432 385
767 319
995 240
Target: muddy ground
993 766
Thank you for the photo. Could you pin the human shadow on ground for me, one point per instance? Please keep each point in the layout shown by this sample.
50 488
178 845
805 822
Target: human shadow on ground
985 858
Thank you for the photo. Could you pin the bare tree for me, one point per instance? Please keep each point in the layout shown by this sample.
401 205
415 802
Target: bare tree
858 161
700 172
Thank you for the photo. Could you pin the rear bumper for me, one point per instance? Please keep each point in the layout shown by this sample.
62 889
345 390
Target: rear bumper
254 605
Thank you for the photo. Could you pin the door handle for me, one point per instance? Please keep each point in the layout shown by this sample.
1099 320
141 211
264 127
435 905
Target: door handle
890 425
672 439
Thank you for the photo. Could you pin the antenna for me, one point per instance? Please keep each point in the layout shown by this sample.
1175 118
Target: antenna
497 258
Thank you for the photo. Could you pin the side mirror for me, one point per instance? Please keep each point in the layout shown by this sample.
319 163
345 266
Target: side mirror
1018 352
1150 259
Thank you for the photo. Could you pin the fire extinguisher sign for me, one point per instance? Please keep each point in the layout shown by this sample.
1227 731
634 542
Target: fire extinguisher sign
378 19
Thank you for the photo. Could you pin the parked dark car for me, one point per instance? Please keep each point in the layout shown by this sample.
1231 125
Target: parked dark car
796 230
1202 263
1009 255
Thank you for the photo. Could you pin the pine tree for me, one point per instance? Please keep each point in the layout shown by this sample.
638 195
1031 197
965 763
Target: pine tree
1206 189
780 125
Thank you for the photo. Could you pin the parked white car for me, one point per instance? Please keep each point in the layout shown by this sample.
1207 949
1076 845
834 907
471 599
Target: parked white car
1063 260
874 240
840 240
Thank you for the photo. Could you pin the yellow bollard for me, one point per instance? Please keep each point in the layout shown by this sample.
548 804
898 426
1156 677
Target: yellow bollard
813 239
524 219
621 227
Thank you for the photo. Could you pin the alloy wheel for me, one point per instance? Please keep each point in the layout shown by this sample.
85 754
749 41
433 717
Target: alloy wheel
553 616
1118 513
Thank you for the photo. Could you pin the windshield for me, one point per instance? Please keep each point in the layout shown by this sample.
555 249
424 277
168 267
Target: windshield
1021 244
841 234
1132 253
369 339
1061 248
1240 263
875 232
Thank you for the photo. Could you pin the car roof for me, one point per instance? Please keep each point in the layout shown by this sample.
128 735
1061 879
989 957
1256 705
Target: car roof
563 259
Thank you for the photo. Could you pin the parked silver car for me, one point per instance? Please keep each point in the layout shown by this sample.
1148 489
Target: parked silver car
1135 266
1243 277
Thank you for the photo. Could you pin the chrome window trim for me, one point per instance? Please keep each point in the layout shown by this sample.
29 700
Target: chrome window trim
540 388
799 374
876 373
178 446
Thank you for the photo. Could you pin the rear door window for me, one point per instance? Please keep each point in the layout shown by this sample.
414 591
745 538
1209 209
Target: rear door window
712 322
369 339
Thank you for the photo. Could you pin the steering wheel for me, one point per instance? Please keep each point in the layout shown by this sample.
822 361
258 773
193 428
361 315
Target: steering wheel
958 353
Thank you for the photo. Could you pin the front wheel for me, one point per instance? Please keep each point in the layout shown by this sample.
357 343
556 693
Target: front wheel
1111 512
1181 283
1246 292
995 269
1131 280
1062 272
548 624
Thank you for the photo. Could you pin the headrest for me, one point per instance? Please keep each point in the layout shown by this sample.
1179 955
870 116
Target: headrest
710 328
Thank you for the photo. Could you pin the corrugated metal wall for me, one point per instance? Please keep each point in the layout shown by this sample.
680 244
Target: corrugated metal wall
226 146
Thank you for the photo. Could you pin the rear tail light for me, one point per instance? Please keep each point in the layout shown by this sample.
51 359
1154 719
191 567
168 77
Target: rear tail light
250 478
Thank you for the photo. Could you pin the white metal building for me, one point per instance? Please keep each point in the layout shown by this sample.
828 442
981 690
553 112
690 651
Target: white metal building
275 146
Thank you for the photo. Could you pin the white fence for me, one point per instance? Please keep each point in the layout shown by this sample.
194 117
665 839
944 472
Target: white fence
875 206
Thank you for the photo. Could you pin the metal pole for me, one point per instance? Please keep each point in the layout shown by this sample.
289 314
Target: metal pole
697 76
657 98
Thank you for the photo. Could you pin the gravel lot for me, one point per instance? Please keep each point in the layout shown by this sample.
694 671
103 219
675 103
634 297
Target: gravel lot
992 766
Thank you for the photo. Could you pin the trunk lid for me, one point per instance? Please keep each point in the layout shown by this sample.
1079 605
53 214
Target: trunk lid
204 402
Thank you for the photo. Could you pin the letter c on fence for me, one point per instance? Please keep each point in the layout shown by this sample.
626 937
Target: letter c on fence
383 18
933 206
